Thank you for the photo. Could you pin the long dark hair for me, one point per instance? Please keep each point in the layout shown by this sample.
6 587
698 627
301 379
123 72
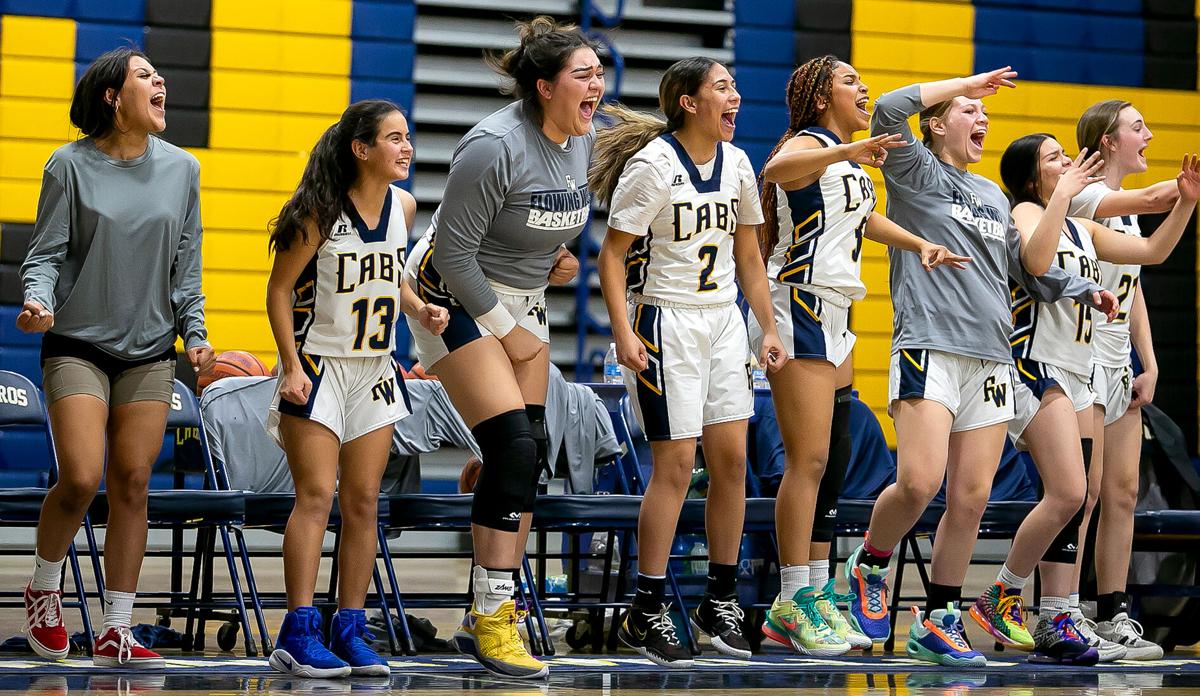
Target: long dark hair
90 112
808 84
331 170
1019 168
631 130
542 54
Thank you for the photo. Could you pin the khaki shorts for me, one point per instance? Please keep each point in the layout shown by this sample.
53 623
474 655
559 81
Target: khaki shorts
65 376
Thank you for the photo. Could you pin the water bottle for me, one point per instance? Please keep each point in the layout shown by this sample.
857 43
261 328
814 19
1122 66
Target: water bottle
757 374
699 565
612 370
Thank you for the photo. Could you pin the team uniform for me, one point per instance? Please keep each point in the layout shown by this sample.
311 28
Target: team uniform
680 276
344 310
1052 341
814 271
1112 374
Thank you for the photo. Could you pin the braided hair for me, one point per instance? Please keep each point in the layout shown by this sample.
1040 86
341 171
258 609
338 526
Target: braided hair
809 84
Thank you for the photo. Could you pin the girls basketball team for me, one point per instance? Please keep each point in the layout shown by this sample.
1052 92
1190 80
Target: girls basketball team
1025 333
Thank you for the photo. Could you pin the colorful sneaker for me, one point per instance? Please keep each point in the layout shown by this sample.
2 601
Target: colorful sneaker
1001 614
1057 641
300 648
1107 649
116 647
721 621
828 605
653 636
350 640
44 623
494 641
869 612
798 624
1127 632
938 639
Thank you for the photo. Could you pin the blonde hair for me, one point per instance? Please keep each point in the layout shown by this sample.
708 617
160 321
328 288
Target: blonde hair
1099 120
937 111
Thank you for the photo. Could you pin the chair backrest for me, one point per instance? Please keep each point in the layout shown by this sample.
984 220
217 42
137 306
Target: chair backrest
20 401
185 409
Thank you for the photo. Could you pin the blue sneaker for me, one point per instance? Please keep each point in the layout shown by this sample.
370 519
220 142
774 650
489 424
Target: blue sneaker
300 649
869 613
938 639
350 640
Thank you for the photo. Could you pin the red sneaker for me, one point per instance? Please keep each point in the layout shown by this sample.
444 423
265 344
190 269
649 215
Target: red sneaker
44 623
116 647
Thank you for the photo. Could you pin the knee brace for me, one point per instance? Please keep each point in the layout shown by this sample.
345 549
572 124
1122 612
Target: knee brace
1064 548
509 457
541 441
830 489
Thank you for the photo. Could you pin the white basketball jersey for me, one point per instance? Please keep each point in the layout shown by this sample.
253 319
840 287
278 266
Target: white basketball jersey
684 253
1111 345
1059 333
821 230
347 300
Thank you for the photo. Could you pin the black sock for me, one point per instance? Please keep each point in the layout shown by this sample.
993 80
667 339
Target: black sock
649 596
1111 604
869 559
722 580
940 596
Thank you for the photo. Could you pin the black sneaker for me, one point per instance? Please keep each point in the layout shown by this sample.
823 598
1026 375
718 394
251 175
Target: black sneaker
653 636
1057 641
721 621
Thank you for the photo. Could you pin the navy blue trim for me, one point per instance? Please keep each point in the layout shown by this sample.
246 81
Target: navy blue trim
1073 234
912 377
368 235
403 388
462 328
1040 383
823 131
808 338
304 302
652 402
714 182
307 363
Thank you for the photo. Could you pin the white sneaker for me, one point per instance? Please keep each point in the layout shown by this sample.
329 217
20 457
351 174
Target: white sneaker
1128 633
1109 650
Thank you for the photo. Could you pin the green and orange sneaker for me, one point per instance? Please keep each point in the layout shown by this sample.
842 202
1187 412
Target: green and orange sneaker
999 612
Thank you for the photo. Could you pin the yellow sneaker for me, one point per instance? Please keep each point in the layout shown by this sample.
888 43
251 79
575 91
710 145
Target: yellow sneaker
493 641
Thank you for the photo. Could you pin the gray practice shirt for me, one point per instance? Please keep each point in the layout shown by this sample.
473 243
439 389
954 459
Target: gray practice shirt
115 253
965 312
512 198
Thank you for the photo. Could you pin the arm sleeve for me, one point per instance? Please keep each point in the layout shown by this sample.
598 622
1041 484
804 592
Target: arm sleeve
1084 204
187 297
750 207
911 164
642 192
480 177
1054 285
48 247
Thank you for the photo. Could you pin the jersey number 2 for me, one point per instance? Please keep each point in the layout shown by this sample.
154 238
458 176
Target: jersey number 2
707 254
385 309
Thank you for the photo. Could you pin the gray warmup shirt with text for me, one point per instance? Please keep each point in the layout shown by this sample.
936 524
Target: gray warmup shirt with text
964 312
115 253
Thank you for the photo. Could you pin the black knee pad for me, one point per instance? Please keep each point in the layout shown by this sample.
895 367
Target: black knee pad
509 457
1064 548
541 441
830 489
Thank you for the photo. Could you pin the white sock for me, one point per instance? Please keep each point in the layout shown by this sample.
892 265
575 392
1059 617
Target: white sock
791 580
118 609
818 572
1053 606
491 588
47 575
1073 602
1009 579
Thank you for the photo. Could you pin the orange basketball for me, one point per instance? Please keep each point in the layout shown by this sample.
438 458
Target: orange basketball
232 363
470 475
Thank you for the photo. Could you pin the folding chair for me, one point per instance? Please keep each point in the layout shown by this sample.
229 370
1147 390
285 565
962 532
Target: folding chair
22 405
210 512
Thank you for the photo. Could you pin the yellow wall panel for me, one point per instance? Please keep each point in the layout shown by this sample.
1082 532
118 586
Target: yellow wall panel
240 210
905 17
236 290
249 130
233 330
18 200
290 53
236 250
23 159
37 37
292 16
265 171
872 315
304 94
37 77
37 120
944 57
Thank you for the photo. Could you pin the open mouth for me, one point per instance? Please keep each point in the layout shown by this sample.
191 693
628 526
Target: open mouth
588 108
977 138
729 119
862 106
403 162
1142 151
159 101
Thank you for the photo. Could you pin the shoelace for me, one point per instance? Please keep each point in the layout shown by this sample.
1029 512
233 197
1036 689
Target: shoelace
730 614
875 590
808 609
662 623
1010 607
360 629
46 611
1066 628
126 645
950 628
1128 628
830 592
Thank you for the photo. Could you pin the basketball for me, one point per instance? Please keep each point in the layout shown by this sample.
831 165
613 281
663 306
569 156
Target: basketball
470 475
232 363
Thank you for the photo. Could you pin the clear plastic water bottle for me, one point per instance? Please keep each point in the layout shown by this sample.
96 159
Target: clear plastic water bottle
757 374
612 370
700 558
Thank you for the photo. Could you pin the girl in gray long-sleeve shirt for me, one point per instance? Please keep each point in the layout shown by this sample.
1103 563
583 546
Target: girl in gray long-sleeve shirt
112 276
517 190
950 379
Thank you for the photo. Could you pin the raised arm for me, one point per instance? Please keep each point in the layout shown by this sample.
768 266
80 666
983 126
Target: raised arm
1123 248
803 158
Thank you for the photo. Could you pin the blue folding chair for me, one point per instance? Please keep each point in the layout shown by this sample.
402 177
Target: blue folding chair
22 405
